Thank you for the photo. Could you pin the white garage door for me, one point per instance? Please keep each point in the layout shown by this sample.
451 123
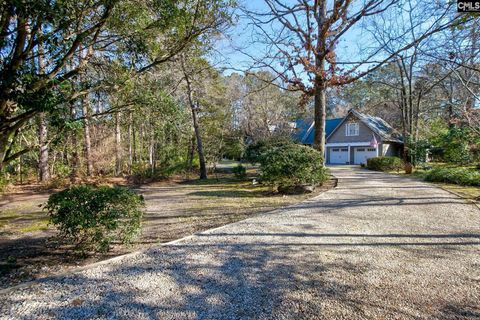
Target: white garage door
361 154
338 155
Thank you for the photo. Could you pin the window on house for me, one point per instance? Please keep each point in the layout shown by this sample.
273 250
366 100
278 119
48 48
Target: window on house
371 149
352 129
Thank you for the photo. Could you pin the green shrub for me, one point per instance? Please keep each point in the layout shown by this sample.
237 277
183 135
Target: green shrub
234 147
292 165
461 176
385 163
142 173
256 149
456 145
90 218
458 152
61 171
3 183
240 172
419 151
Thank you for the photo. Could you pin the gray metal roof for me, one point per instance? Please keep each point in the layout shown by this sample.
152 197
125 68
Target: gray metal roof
379 126
304 129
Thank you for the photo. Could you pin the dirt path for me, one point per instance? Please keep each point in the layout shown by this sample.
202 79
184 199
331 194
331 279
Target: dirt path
376 247
174 209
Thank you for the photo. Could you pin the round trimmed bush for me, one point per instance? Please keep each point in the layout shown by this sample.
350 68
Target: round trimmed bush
255 150
91 218
385 163
240 172
292 165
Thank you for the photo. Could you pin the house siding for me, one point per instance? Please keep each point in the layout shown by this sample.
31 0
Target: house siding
364 132
387 149
394 150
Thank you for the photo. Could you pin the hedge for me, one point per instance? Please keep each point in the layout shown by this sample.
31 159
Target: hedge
461 176
255 150
385 163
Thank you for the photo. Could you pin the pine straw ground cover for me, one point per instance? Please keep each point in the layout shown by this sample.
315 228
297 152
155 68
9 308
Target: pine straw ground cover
175 208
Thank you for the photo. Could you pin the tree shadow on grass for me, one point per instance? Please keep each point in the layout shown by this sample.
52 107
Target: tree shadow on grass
214 181
225 193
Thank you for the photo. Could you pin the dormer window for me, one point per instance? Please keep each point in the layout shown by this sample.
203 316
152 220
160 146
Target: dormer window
352 129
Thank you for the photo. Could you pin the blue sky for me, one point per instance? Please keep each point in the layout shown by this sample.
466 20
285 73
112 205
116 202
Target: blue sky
240 37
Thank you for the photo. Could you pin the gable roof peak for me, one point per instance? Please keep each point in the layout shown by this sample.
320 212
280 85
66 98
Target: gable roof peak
379 126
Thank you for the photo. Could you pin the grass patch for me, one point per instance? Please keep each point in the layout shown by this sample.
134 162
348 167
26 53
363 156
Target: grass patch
228 163
467 192
7 216
41 225
16 221
233 193
232 182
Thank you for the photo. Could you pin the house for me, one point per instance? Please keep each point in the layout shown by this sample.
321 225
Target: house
353 139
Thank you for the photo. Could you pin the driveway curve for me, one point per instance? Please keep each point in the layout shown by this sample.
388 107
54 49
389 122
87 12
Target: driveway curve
376 247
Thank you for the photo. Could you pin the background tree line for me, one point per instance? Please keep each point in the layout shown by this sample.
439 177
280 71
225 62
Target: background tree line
120 87
111 88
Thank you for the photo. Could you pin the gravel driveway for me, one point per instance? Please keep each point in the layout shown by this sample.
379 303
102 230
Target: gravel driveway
376 247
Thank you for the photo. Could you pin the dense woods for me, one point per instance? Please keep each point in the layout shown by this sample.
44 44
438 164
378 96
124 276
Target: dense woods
95 88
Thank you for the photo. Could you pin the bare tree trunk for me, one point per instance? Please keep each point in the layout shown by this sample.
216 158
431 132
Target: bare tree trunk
191 151
151 149
134 140
134 144
118 151
198 137
320 102
320 106
130 144
43 168
194 108
20 162
88 144
54 161
417 117
140 142
75 156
